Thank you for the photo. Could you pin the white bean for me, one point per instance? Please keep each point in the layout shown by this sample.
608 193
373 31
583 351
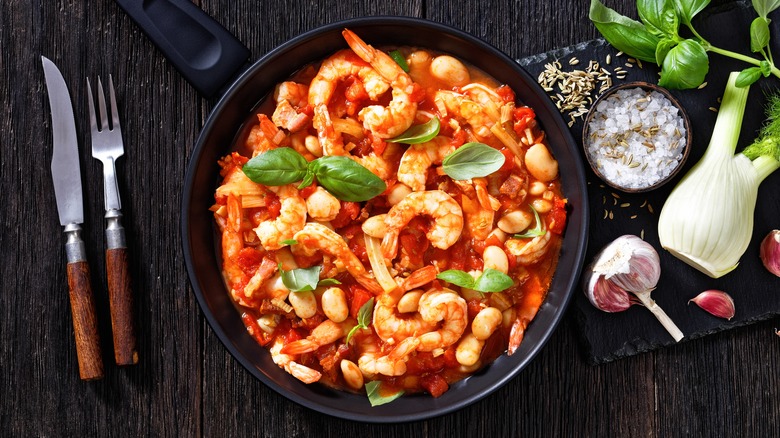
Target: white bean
486 322
468 350
409 302
375 226
515 221
541 205
498 234
494 257
304 303
540 164
322 206
313 145
334 304
537 188
352 375
450 71
397 193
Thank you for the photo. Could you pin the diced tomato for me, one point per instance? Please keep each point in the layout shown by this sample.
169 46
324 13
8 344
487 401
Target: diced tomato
360 296
434 384
458 255
308 190
274 205
522 116
260 335
414 247
458 138
450 361
556 219
355 240
349 212
509 160
474 306
249 259
506 93
377 144
355 91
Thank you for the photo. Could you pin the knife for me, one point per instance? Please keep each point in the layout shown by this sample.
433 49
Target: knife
66 174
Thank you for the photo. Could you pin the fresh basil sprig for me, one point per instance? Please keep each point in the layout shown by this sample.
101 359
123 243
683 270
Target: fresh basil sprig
364 316
472 160
343 177
289 242
305 279
376 398
419 133
536 231
684 61
491 280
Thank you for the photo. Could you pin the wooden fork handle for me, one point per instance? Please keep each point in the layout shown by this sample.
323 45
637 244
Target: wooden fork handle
82 307
120 296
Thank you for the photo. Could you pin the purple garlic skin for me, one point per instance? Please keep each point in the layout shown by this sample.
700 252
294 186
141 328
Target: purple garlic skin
605 295
715 302
770 252
631 263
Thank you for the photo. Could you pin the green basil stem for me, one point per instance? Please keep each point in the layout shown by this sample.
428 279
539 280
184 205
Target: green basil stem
740 57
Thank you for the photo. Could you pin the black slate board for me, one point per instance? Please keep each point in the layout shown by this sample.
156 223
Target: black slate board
610 336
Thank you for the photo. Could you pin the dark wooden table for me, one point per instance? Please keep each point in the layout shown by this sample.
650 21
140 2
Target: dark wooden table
186 383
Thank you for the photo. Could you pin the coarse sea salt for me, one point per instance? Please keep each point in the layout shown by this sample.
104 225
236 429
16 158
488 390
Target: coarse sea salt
636 138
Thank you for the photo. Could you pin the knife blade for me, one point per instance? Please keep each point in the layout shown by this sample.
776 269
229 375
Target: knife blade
66 174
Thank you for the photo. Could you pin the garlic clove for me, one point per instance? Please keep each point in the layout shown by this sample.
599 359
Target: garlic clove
605 295
631 263
770 252
715 302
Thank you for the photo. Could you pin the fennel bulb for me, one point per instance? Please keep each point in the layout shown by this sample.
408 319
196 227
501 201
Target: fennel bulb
707 221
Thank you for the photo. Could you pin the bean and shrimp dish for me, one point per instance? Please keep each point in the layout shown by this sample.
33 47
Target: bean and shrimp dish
390 221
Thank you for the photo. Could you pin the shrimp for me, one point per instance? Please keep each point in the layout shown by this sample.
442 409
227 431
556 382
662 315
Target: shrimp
317 237
528 253
392 364
391 327
526 310
398 116
341 65
293 92
445 211
292 218
326 333
418 158
479 220
466 110
448 307
286 362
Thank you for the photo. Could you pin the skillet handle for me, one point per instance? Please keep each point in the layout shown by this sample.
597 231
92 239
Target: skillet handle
203 51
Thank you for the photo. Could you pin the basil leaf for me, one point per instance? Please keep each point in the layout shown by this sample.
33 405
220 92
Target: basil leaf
766 68
347 180
687 9
364 317
301 279
764 7
493 280
457 277
374 396
399 59
685 66
748 76
662 49
328 282
308 179
759 34
625 34
419 133
472 160
289 242
276 167
659 16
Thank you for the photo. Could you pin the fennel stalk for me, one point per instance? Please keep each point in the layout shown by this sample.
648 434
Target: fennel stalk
707 221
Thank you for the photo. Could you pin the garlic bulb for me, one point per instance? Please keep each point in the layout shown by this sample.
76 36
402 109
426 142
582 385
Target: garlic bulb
715 302
770 252
628 264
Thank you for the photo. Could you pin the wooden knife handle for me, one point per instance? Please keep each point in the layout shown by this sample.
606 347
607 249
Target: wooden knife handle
120 297
82 307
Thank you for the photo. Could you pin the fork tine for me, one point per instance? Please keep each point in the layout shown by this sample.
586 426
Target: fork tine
102 105
114 111
91 107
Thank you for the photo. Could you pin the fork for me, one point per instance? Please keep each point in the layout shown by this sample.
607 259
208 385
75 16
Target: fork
107 146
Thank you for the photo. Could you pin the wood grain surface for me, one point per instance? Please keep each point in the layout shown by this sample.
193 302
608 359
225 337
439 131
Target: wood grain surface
120 300
186 383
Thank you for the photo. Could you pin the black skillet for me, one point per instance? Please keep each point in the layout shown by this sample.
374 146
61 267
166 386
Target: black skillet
235 107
